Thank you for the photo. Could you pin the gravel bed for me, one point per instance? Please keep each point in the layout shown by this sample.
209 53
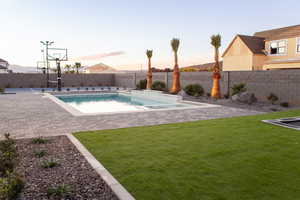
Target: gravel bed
73 170
257 106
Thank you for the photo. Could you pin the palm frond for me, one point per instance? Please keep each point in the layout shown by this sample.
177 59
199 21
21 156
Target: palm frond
149 53
175 44
216 40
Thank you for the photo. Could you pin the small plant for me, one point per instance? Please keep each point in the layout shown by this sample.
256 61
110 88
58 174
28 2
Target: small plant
93 88
2 90
238 88
226 96
86 88
53 90
40 153
272 98
10 186
142 84
8 155
43 90
285 104
194 90
78 88
39 140
68 89
158 85
61 191
49 164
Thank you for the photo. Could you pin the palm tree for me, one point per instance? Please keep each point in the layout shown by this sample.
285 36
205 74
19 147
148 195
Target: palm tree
149 74
216 43
77 66
68 67
176 74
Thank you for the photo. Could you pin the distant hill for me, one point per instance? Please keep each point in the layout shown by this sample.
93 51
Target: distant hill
22 69
99 68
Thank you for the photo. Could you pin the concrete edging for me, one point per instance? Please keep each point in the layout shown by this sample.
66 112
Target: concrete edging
115 186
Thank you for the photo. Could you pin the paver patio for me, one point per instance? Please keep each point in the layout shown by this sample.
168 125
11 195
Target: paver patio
32 115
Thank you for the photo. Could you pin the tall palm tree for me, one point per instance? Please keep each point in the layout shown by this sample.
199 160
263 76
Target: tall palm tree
149 74
77 66
176 74
68 67
216 43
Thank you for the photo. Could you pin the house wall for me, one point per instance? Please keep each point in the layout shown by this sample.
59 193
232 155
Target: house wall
281 66
258 61
291 53
238 57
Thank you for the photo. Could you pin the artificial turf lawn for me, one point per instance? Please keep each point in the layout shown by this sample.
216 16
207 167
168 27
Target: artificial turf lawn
221 159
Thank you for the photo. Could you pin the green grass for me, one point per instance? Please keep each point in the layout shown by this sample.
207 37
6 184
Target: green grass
237 158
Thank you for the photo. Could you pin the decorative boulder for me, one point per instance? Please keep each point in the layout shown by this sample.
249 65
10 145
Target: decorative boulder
244 97
183 93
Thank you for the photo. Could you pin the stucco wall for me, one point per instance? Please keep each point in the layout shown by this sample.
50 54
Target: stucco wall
238 57
19 80
284 83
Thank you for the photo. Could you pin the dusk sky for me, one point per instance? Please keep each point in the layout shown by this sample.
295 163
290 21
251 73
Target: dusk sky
121 31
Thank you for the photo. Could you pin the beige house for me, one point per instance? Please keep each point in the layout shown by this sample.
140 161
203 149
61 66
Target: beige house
266 50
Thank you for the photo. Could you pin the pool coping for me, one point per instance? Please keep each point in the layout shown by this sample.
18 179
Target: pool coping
77 113
107 177
278 122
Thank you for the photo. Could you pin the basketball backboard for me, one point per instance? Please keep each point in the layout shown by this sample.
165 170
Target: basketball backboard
57 54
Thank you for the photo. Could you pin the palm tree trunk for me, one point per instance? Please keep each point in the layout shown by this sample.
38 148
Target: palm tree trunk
215 91
176 77
149 75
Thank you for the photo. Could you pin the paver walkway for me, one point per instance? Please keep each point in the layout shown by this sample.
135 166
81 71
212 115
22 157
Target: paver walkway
32 115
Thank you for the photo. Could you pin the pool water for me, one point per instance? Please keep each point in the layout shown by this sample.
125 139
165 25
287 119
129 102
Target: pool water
114 102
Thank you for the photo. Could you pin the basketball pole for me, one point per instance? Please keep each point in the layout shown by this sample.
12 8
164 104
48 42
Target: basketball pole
47 44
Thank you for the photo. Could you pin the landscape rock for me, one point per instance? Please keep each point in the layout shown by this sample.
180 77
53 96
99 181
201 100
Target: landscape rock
244 97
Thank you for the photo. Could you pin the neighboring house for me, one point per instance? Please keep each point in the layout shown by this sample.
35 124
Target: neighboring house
202 67
99 68
266 50
3 66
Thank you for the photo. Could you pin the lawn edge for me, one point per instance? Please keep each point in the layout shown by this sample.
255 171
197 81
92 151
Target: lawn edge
115 186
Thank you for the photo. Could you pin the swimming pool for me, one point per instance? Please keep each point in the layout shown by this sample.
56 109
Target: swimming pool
120 102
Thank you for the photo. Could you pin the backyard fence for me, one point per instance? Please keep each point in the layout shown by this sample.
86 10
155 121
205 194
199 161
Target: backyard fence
283 83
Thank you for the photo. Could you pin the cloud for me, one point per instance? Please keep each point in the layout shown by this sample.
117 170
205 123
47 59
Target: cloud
98 56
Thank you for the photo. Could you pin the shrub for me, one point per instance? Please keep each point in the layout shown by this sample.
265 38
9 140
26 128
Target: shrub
226 96
49 163
2 90
10 186
43 90
194 90
40 153
39 140
61 191
8 155
285 104
78 88
238 88
86 88
68 89
272 98
158 85
142 84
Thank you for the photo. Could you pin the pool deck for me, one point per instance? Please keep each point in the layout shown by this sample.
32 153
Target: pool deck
25 115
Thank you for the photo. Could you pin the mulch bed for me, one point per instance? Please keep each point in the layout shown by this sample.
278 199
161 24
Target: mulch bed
73 170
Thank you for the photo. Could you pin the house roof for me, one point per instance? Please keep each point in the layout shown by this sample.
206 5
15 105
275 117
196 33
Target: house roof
255 44
204 67
1 60
280 33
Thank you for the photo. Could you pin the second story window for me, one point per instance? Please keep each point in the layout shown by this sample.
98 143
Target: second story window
298 45
278 47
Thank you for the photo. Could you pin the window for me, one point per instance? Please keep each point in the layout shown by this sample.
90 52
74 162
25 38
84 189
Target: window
278 47
298 45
